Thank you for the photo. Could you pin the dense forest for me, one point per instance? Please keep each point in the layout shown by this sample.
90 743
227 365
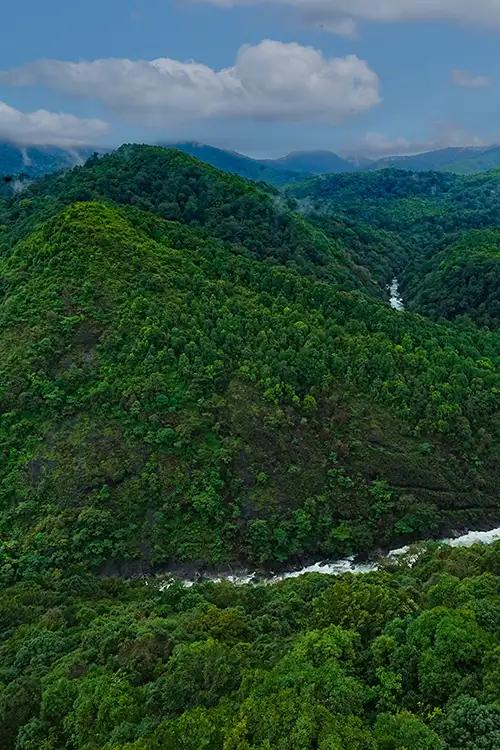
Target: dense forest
201 371
405 659
423 226
461 279
220 386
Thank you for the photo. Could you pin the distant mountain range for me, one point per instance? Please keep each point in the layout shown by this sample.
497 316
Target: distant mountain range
34 161
300 164
463 161
313 162
270 171
291 168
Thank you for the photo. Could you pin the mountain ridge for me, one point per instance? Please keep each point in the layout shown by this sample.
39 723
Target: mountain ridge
34 161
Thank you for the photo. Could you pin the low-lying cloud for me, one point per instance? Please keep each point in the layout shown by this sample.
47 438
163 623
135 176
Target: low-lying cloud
268 81
377 145
43 128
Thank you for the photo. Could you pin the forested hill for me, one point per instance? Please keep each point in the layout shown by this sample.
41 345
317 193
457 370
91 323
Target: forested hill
182 381
272 171
465 161
461 279
251 218
426 224
193 374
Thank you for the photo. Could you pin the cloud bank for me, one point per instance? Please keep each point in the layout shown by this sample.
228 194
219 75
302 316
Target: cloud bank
42 128
376 145
268 81
341 16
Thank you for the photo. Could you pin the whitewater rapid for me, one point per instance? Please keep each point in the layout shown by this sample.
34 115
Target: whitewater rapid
395 300
409 553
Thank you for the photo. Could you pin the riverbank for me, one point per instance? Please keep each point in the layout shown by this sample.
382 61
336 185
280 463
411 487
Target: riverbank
242 577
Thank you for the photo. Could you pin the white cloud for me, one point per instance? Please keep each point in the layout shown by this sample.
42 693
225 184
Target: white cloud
270 80
444 135
335 14
42 128
378 144
468 80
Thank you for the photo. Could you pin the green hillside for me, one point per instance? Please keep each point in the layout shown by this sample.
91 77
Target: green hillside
422 227
253 220
463 161
461 279
482 160
197 371
174 397
312 162
271 171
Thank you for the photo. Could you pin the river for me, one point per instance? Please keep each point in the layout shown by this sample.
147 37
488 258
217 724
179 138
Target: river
349 564
337 567
396 300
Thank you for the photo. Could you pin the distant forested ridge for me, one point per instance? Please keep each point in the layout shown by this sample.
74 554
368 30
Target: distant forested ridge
270 171
464 161
35 161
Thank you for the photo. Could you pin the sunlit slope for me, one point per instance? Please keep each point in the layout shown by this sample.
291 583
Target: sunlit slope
165 398
252 220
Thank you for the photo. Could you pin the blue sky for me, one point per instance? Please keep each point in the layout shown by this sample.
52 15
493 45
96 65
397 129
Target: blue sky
364 81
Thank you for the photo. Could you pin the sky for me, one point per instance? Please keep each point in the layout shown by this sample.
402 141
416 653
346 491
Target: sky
264 77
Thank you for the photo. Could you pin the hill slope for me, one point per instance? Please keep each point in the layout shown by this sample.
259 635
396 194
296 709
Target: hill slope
464 161
168 398
253 219
193 374
422 217
313 162
461 279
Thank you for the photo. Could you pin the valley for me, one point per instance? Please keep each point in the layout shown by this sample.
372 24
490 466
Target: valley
250 375
348 565
229 384
206 376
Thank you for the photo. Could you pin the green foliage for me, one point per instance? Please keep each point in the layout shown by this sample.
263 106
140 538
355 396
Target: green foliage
107 665
422 227
183 402
272 171
192 374
253 219
200 390
461 280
